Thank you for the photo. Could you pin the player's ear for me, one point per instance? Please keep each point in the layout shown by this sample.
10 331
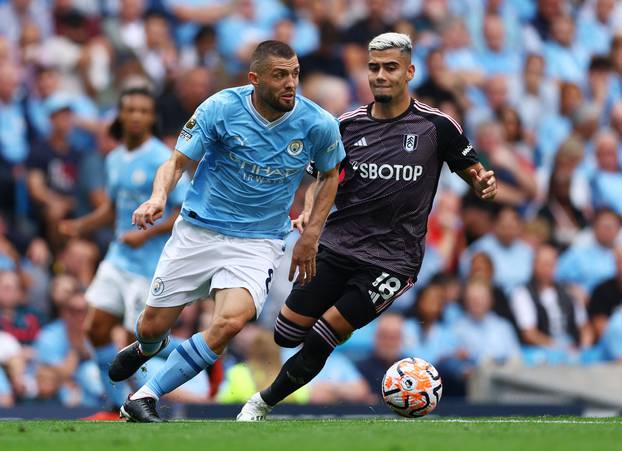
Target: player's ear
253 78
410 72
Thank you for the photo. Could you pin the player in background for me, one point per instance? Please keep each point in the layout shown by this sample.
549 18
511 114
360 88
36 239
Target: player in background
118 291
254 143
373 243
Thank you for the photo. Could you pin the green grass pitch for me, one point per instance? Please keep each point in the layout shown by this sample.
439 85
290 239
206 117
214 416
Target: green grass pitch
455 434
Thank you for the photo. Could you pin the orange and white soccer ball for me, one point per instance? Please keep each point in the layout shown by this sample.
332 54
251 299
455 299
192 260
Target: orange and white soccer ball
412 387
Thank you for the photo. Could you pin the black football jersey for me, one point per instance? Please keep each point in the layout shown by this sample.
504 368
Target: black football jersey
388 181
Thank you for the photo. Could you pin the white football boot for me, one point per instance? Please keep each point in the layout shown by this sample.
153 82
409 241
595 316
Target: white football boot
255 409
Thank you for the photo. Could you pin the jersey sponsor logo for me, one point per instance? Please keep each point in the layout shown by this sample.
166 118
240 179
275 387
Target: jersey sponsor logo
157 287
407 173
410 142
355 165
466 150
263 174
185 135
361 142
295 147
192 122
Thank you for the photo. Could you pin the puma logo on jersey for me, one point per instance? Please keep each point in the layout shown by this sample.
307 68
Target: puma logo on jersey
407 173
467 149
361 142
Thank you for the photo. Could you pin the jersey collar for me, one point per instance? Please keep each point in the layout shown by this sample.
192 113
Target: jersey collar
262 120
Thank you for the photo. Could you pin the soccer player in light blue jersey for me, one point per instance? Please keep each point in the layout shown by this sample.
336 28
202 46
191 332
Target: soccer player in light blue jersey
253 144
118 292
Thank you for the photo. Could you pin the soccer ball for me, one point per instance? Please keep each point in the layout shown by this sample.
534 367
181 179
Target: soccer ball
412 387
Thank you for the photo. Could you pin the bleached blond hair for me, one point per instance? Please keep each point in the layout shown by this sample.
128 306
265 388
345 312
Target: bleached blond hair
387 41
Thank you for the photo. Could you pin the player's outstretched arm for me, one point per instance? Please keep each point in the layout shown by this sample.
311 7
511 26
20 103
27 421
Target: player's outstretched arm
165 180
305 250
102 216
481 180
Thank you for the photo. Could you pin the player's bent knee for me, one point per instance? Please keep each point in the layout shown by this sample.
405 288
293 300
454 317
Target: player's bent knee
288 334
227 327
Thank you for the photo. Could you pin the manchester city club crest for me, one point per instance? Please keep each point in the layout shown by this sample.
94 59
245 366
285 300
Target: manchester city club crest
410 142
295 147
157 287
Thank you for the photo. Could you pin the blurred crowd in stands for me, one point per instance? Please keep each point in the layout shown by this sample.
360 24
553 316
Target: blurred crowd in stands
534 278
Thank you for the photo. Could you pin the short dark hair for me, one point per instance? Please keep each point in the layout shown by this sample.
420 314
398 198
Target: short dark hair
116 129
269 48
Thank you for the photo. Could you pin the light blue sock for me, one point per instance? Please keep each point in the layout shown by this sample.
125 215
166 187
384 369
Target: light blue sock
148 347
116 392
186 361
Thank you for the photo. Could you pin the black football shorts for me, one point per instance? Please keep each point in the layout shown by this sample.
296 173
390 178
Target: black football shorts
360 291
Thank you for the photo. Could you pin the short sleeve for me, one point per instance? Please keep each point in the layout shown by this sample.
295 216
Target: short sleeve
456 149
199 132
328 148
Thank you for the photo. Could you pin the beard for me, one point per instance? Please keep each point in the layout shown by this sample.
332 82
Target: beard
277 105
383 98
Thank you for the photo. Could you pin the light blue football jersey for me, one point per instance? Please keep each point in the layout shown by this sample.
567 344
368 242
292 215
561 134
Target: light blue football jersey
250 168
129 181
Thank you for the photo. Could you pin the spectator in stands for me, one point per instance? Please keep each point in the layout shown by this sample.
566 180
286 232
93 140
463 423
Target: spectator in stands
606 181
424 334
13 142
65 369
534 95
78 259
606 298
596 26
53 170
326 58
589 263
16 318
175 107
483 335
483 270
356 37
563 216
555 127
159 56
518 141
496 58
496 93
14 14
12 370
126 32
566 58
331 93
598 82
437 87
515 175
547 314
476 339
203 53
512 258
386 351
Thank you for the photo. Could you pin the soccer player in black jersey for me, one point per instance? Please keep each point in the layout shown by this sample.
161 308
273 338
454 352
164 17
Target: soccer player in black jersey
372 246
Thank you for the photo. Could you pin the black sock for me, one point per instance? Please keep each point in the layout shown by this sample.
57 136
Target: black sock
304 365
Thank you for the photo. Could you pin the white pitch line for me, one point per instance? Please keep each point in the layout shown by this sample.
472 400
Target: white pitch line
509 420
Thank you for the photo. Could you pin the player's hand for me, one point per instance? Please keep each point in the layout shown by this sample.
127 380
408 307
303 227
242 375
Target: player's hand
135 238
301 221
71 227
484 184
148 213
303 259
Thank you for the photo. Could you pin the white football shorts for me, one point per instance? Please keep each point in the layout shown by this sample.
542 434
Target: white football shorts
118 292
196 261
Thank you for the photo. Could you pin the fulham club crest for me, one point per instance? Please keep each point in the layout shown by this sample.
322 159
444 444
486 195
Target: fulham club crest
410 142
